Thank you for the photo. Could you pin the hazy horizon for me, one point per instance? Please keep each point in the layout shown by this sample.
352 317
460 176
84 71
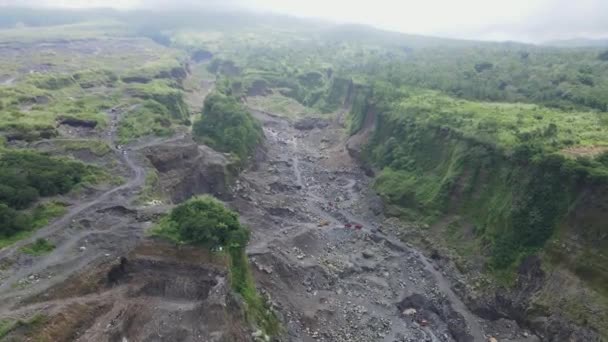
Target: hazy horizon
530 21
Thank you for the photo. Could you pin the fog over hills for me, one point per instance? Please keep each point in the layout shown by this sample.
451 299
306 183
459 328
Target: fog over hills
520 20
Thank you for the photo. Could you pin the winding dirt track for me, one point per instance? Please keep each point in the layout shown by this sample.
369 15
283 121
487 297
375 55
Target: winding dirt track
62 260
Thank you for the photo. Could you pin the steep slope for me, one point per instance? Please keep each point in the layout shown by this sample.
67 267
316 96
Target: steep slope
523 217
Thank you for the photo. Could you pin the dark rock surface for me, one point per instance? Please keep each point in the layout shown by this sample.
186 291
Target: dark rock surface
307 124
187 169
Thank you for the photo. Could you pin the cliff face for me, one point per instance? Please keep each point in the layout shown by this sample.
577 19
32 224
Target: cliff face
530 234
187 169
181 292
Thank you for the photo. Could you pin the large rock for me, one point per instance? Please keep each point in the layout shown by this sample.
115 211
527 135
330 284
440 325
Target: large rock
187 169
307 124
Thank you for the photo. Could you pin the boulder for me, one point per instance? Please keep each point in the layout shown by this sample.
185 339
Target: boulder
307 124
367 254
75 122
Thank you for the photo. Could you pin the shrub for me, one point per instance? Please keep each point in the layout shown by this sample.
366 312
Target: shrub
40 247
165 93
27 175
227 126
205 221
152 118
12 221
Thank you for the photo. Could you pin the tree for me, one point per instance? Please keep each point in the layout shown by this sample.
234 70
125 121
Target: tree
206 221
26 175
227 126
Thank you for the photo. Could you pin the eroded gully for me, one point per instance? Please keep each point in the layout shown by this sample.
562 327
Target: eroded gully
319 249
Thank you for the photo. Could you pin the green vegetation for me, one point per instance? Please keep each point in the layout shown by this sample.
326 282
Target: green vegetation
5 327
24 327
152 188
150 118
34 107
504 125
164 93
227 126
564 78
257 309
206 222
40 247
62 88
69 82
45 212
31 113
25 176
510 138
162 107
13 222
437 153
24 223
98 147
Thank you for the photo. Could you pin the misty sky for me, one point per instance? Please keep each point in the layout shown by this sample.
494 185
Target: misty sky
523 20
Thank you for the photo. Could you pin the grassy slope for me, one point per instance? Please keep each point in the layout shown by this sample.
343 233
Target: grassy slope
506 125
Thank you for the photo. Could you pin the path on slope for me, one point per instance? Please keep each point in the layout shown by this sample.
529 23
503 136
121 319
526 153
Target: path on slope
63 261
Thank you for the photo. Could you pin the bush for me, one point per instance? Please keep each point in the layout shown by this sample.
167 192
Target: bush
27 175
152 118
227 126
12 221
165 93
40 247
53 82
205 221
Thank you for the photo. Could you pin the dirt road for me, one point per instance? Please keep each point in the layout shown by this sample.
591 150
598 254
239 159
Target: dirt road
24 276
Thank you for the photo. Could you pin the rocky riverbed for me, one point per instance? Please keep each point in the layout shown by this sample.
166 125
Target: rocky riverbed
323 252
